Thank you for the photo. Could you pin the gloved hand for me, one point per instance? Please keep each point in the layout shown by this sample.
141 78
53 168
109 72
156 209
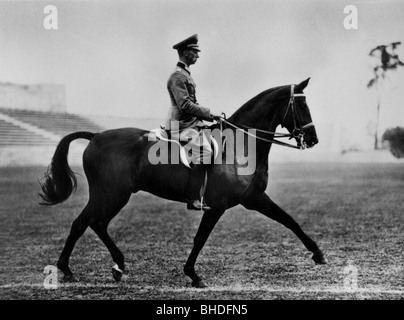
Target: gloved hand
215 118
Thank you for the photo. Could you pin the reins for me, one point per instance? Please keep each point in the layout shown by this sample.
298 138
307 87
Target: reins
281 135
297 132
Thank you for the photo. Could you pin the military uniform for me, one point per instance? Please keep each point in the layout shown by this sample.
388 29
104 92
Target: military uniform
185 110
184 107
187 115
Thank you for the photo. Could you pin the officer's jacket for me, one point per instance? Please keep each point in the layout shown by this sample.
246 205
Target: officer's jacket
184 107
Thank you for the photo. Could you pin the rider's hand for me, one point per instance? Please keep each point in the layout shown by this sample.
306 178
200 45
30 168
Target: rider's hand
215 118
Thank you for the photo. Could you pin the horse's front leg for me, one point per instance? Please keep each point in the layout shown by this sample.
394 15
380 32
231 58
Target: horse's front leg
208 222
262 203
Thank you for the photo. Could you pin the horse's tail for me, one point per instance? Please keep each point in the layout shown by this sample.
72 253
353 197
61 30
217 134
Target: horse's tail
60 180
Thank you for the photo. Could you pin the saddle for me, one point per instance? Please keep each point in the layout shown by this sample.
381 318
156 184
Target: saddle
165 135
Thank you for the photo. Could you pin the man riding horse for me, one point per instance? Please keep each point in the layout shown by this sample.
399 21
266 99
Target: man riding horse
117 165
187 115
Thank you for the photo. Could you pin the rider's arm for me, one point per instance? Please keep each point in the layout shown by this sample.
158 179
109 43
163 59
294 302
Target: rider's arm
181 95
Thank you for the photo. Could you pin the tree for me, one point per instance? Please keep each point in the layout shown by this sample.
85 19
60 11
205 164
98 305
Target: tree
395 139
389 60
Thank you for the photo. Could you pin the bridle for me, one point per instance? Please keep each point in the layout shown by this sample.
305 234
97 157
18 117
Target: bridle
297 132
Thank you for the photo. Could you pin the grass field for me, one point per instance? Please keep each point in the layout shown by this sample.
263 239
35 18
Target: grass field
353 211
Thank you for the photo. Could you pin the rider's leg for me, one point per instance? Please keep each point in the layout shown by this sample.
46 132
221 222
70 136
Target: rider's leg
197 178
195 187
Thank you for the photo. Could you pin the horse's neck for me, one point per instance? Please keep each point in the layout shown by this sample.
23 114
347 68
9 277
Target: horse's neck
260 113
264 113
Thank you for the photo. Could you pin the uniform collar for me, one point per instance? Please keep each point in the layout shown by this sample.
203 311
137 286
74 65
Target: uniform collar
183 66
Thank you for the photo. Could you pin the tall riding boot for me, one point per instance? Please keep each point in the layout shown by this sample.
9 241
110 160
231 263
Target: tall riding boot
196 180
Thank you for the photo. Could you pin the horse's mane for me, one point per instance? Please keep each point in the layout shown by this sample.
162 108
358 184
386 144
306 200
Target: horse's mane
272 94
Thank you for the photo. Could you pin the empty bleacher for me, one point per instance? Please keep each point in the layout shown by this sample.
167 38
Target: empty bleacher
59 124
11 135
55 122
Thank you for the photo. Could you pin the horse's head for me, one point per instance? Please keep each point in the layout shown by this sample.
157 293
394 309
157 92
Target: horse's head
297 119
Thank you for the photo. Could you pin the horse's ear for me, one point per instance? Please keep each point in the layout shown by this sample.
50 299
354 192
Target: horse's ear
302 85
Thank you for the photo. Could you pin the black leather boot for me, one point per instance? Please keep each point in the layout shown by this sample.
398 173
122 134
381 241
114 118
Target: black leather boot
196 181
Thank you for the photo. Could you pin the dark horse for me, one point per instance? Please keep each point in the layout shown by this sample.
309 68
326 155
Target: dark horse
116 165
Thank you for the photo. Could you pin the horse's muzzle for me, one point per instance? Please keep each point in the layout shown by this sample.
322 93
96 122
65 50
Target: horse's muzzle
311 142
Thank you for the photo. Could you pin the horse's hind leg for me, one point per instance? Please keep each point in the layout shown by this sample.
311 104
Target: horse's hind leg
110 208
101 230
266 206
78 227
98 213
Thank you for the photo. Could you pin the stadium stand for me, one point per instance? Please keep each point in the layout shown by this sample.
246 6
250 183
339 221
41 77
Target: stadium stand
29 137
12 135
55 122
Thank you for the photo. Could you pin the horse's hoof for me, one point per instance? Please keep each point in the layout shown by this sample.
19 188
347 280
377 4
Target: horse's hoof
117 273
68 277
318 258
200 284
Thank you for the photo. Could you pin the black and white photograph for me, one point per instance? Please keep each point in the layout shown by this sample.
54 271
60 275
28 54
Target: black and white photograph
201 150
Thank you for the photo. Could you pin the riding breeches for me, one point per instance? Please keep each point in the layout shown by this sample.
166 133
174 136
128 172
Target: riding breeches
197 144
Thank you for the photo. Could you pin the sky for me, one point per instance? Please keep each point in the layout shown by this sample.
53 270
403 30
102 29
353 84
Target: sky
115 57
